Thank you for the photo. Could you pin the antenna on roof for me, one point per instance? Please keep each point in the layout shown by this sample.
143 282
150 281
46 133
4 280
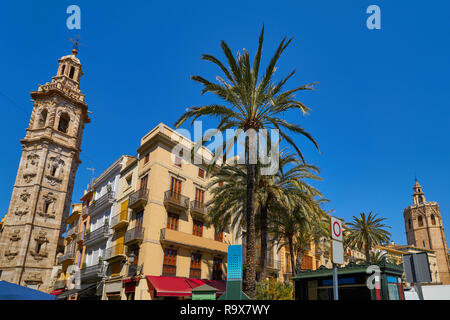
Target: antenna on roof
92 175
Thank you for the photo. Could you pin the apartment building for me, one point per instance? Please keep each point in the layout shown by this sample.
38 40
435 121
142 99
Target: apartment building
167 236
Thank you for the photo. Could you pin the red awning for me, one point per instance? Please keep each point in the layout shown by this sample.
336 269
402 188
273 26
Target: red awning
56 292
180 287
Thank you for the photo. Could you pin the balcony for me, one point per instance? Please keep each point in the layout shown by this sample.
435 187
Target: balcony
187 240
135 235
138 199
71 232
120 220
80 237
101 234
176 200
115 253
273 264
59 284
68 256
198 208
92 272
101 203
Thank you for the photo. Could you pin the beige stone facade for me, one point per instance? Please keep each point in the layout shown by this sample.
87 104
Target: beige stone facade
42 191
425 230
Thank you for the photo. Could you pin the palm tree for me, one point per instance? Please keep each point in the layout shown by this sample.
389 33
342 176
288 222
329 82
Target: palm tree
365 232
251 103
312 230
278 191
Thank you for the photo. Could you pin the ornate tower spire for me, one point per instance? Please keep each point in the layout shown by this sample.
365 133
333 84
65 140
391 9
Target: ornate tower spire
418 195
42 191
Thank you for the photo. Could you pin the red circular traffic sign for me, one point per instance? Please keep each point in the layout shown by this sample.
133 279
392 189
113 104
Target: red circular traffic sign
337 233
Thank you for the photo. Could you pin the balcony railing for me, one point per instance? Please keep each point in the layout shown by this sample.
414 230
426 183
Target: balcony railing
195 273
59 284
169 270
71 232
115 252
138 199
120 220
176 199
198 207
103 202
69 255
101 233
91 272
80 237
134 235
273 264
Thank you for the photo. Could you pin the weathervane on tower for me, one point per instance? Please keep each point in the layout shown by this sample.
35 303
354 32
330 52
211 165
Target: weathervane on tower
76 43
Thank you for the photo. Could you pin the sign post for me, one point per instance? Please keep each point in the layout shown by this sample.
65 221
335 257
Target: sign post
337 251
417 270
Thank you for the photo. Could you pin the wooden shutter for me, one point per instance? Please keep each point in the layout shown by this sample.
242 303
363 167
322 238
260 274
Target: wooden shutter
144 181
124 210
199 196
197 228
172 221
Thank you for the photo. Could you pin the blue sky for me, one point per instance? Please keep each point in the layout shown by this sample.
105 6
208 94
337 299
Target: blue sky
380 113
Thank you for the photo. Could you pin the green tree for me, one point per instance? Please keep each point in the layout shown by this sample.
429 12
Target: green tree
251 103
365 232
271 289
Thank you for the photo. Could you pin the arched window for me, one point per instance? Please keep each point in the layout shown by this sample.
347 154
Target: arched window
433 220
63 69
53 171
72 72
42 118
409 223
63 124
420 199
420 219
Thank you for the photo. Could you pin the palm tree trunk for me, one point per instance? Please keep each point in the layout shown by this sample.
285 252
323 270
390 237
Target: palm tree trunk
250 261
367 249
264 236
291 253
299 260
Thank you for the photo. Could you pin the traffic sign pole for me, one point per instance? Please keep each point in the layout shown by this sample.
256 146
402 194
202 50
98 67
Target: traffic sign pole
335 282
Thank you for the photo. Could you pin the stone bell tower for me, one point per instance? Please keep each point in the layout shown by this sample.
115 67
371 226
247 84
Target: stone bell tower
42 192
424 229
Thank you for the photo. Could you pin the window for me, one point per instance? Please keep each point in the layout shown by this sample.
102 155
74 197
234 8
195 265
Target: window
420 199
128 180
53 171
172 221
144 181
201 173
197 229
63 69
72 72
38 247
420 219
63 124
146 158
199 196
170 263
217 269
177 161
433 220
175 187
196 266
218 236
409 223
42 118
46 206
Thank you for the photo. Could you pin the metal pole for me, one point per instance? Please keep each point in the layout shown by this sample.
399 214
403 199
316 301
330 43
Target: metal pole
335 282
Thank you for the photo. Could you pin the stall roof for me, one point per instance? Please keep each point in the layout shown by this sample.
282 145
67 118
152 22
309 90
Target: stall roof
12 291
